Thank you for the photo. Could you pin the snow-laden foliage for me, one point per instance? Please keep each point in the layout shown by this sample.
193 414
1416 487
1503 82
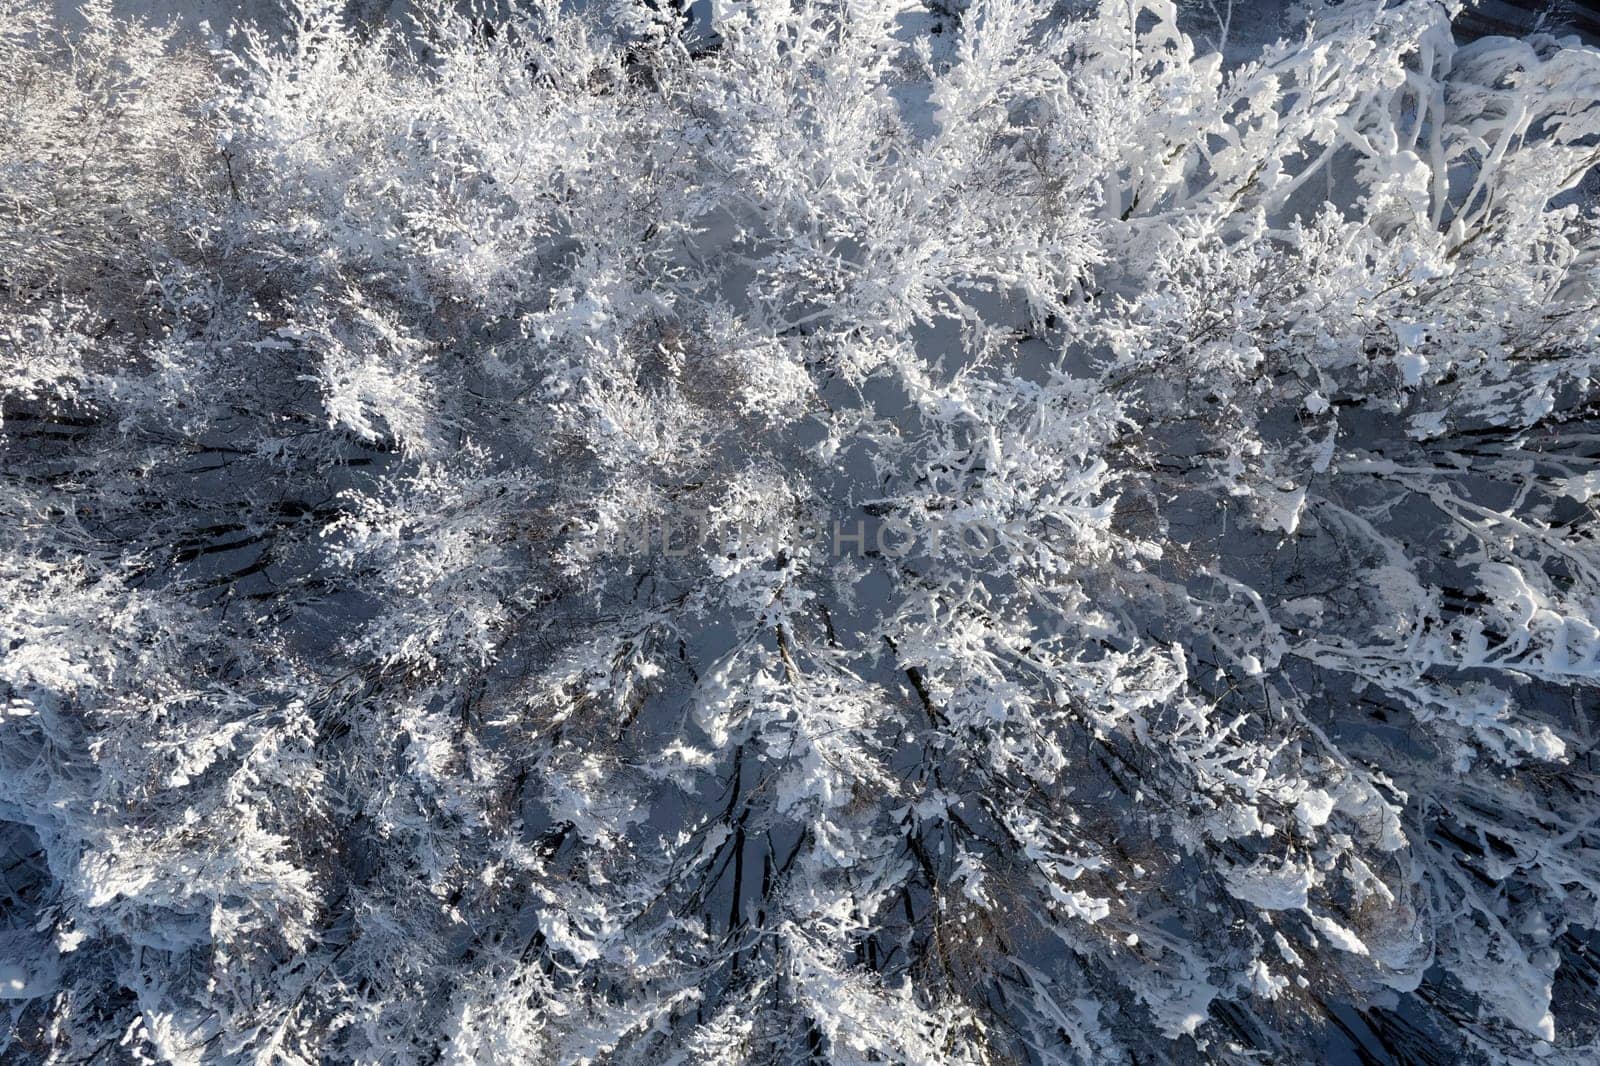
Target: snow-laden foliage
857 536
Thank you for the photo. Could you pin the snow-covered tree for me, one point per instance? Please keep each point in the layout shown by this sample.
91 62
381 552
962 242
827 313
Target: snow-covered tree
998 532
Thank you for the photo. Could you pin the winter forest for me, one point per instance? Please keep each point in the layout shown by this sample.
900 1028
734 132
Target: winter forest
799 532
